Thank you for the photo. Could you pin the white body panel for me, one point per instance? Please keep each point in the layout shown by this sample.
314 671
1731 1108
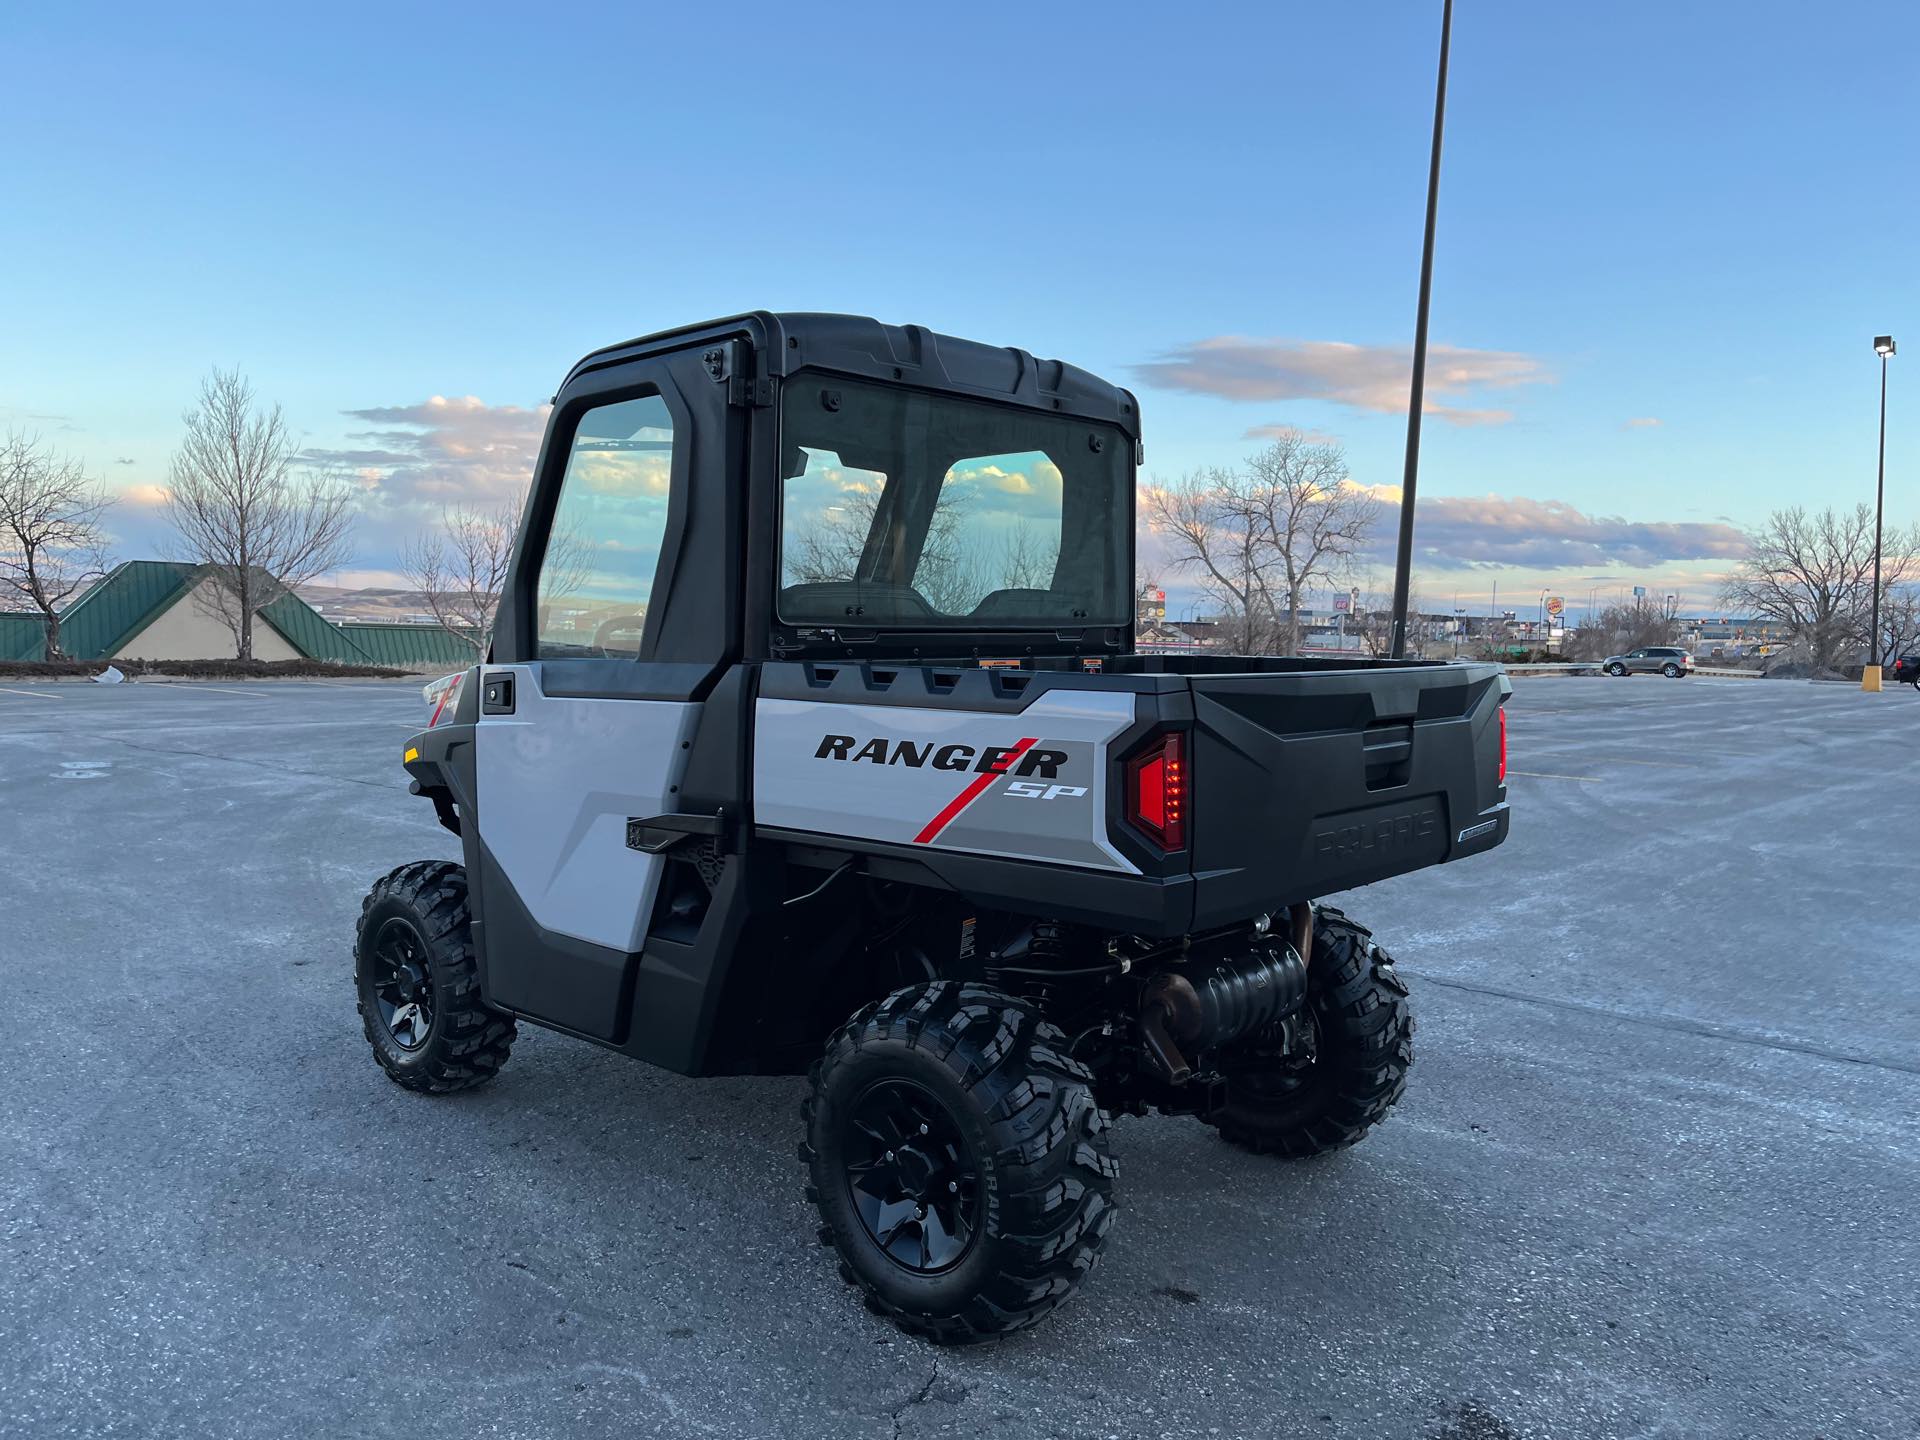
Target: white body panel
558 781
927 792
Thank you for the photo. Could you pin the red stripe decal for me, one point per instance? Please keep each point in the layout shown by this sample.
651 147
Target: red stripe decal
967 796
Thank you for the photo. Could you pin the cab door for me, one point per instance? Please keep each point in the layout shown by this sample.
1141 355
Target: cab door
590 706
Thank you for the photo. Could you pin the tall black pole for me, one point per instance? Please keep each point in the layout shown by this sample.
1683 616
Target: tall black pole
1403 563
1879 503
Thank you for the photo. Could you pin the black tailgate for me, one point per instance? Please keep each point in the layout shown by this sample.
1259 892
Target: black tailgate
1313 782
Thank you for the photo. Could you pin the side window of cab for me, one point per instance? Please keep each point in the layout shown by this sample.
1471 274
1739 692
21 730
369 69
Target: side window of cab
596 577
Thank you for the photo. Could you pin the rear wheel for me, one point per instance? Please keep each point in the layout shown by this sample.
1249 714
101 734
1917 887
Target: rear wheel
419 987
1328 1092
1672 672
958 1160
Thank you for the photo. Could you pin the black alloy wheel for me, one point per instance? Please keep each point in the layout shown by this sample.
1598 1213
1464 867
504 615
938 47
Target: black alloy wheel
911 1176
417 980
958 1160
401 984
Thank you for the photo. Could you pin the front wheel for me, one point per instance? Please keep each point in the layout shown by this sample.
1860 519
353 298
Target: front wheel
958 1160
1327 1095
1616 670
419 986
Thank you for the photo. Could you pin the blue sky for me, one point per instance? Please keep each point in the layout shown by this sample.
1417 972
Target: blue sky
1690 214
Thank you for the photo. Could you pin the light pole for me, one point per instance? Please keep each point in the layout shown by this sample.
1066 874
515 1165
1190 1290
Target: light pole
1870 672
1403 559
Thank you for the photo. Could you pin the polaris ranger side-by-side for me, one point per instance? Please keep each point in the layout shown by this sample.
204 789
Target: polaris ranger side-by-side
813 739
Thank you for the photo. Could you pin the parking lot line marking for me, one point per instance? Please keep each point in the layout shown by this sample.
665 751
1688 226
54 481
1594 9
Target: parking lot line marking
1549 775
225 690
36 694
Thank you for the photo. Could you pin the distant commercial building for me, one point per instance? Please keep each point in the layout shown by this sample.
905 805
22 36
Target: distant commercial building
162 610
1732 635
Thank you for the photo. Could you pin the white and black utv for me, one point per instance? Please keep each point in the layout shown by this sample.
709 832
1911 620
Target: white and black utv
813 739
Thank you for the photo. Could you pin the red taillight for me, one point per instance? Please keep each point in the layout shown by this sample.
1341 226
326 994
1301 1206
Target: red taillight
1503 744
1157 791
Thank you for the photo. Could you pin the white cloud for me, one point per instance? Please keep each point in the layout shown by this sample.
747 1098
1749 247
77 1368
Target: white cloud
441 451
1365 377
1500 533
1469 532
1278 430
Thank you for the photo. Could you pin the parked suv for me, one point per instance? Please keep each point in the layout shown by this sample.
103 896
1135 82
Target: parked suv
1906 670
1668 660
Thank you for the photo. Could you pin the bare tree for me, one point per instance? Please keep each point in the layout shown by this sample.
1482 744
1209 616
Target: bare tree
1899 622
1026 560
1315 520
240 507
1371 622
829 545
461 568
1263 536
52 544
1210 522
1814 574
952 571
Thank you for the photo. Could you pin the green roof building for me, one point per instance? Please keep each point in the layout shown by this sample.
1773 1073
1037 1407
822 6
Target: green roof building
163 610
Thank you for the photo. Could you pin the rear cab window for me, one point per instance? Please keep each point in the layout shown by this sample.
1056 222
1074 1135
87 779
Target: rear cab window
911 510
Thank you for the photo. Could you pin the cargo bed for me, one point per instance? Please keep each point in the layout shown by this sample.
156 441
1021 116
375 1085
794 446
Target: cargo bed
1297 777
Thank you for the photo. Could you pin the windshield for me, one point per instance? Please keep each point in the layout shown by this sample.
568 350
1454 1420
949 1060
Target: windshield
907 510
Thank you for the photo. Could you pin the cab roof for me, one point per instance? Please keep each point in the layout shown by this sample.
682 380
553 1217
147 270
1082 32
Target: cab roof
857 345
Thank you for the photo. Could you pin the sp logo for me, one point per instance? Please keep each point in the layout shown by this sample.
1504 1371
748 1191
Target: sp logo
1034 790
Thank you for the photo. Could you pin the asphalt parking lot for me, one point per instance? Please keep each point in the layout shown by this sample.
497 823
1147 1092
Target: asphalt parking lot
1657 1172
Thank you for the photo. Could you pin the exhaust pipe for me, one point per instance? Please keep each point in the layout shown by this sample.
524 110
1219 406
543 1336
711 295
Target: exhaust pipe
1207 1003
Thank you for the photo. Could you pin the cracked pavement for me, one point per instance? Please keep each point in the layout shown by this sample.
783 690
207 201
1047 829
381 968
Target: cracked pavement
1655 1174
